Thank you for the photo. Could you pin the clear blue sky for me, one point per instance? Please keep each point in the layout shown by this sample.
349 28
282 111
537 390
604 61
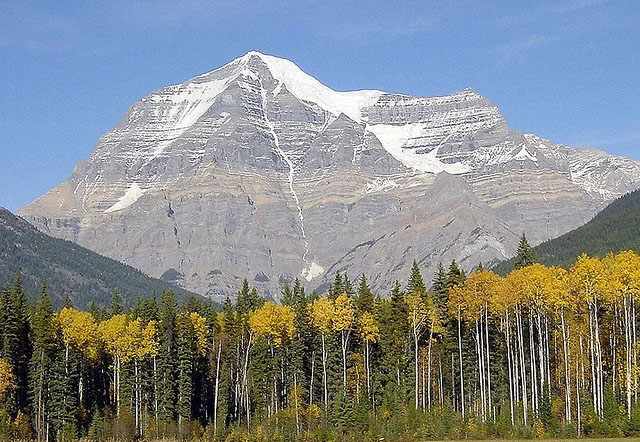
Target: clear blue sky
567 71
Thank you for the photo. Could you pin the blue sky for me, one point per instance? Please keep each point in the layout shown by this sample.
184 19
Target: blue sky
567 71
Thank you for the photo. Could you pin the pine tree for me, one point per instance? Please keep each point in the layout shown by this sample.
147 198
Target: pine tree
524 256
166 376
16 346
416 283
287 295
41 370
116 304
365 298
185 365
348 287
455 275
337 288
298 292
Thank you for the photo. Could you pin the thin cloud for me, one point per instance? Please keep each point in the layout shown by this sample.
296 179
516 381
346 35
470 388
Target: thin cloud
550 9
516 51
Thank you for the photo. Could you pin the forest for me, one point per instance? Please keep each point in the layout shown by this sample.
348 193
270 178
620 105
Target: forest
541 352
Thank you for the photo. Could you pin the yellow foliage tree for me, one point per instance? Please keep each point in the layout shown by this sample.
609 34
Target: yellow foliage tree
200 330
275 322
370 332
7 379
343 321
125 340
80 331
323 312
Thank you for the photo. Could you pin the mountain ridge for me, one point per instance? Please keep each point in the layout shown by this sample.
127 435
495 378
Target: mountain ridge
614 229
67 268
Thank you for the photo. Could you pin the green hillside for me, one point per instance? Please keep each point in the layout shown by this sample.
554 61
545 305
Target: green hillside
67 268
614 229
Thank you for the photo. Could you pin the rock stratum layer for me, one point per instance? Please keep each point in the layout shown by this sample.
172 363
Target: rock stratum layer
258 170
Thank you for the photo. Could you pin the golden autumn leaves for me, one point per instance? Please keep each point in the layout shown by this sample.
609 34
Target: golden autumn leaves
276 322
7 379
547 288
122 336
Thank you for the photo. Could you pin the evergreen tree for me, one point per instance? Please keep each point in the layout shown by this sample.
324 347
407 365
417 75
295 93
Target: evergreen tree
247 299
348 287
185 364
524 256
116 304
166 375
66 302
287 295
41 370
298 292
455 275
365 298
416 283
16 346
337 288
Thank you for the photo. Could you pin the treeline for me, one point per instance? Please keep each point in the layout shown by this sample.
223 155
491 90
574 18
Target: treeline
541 352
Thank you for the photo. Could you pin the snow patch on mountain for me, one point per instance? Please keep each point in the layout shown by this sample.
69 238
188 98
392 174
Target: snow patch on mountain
524 154
132 195
381 185
307 88
312 271
394 138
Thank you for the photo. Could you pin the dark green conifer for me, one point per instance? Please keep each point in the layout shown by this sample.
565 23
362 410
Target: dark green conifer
117 308
365 298
167 355
455 275
287 295
524 257
16 346
416 283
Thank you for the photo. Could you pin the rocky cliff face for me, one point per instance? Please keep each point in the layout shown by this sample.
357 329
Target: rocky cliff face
258 170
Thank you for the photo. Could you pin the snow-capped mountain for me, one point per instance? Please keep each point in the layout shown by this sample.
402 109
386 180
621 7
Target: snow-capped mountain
257 169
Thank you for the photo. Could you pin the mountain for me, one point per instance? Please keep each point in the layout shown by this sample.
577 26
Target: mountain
258 169
67 268
615 229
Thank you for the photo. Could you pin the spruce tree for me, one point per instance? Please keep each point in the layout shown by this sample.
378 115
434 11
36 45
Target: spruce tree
16 346
416 283
524 256
337 288
5 305
116 304
185 354
365 299
455 275
247 299
41 370
298 292
440 289
167 355
348 287
287 294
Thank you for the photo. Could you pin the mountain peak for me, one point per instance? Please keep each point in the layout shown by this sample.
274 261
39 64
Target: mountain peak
306 88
